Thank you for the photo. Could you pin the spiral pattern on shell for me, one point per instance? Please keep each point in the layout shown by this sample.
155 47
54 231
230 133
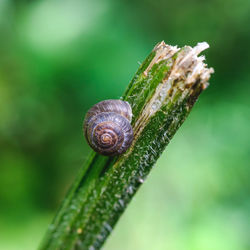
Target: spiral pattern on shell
107 127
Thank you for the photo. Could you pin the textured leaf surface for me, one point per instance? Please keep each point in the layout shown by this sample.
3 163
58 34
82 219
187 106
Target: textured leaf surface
161 95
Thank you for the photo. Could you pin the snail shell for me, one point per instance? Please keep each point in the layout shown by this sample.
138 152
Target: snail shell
107 127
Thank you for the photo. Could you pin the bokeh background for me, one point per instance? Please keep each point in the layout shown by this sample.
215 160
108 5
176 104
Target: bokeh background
57 58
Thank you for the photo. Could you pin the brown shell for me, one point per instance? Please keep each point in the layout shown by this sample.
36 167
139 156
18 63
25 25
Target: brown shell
107 127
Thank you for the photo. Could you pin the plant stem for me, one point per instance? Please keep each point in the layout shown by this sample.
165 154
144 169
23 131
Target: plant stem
161 95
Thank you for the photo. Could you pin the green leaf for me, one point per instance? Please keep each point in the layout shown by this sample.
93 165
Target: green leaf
161 95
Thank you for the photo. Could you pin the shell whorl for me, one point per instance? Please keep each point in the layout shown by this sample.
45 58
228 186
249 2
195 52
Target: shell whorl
107 127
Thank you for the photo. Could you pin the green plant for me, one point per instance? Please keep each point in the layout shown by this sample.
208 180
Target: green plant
161 95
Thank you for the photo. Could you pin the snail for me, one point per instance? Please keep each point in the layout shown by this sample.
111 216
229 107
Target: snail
107 127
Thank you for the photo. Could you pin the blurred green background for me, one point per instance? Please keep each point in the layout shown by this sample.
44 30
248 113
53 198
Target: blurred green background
57 58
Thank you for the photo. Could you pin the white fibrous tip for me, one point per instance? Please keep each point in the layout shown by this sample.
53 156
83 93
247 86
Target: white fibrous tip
187 72
190 66
201 47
